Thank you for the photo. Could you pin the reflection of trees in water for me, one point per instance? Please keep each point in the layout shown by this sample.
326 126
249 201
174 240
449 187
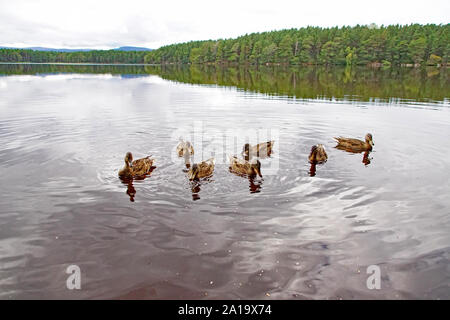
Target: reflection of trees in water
358 83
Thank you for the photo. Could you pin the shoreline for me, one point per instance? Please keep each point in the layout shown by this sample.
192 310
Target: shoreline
81 63
373 66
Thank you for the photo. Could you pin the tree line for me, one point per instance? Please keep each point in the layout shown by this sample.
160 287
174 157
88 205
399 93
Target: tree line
413 44
93 56
359 45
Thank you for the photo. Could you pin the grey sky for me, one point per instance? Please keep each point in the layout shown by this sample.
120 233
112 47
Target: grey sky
110 23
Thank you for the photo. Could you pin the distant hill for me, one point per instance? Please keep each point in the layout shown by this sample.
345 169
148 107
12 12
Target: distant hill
133 49
125 48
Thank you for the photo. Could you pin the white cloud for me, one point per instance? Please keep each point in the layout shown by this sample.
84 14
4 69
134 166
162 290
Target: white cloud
106 23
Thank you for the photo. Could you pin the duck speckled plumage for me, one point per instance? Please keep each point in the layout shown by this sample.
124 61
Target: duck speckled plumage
355 145
201 170
261 150
136 168
250 168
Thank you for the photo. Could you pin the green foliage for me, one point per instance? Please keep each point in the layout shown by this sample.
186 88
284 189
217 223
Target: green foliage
94 56
434 60
417 49
359 45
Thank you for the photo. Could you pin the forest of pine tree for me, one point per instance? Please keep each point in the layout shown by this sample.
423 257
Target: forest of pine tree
93 56
359 45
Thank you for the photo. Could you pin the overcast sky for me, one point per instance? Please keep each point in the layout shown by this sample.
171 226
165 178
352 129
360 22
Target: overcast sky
148 23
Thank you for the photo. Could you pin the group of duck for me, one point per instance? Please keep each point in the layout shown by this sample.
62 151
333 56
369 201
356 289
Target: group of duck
248 165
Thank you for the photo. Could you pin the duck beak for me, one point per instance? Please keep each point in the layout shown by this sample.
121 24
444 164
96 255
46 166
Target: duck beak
258 172
371 143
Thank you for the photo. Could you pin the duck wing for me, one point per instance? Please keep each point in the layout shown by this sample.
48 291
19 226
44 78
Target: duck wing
142 166
351 145
206 168
239 166
349 142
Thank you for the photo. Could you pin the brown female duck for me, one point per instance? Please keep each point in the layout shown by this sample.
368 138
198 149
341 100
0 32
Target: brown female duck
136 168
261 150
201 170
185 148
250 168
355 145
318 154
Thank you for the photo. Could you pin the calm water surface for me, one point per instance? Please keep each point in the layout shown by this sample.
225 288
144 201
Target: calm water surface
64 134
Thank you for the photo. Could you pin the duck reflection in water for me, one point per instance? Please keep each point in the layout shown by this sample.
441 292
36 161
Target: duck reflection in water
255 185
317 155
131 191
195 188
129 182
366 159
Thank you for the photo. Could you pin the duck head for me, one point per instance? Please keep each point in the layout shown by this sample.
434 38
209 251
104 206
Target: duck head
321 153
193 172
128 159
369 139
256 167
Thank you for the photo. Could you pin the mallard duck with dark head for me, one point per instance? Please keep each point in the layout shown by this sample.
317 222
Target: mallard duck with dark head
355 145
136 168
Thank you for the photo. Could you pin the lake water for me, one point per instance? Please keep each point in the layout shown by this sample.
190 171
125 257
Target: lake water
64 131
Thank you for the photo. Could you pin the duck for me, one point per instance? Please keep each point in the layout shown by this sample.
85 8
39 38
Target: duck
318 154
261 150
185 148
201 170
136 168
250 168
355 145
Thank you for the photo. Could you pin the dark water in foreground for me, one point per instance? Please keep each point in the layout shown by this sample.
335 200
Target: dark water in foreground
64 133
